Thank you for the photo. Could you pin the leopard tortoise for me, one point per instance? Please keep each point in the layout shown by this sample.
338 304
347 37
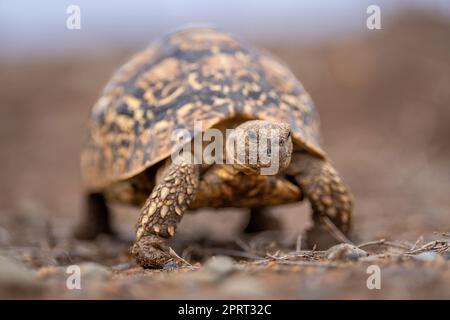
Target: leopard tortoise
203 75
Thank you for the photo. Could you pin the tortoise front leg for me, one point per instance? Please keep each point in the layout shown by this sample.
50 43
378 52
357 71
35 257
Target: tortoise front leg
162 212
327 193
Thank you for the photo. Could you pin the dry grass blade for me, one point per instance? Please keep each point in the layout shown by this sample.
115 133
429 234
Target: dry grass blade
419 240
177 257
298 243
383 242
243 245
436 245
334 231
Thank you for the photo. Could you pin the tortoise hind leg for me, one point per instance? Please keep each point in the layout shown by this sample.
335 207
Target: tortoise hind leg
261 220
329 197
97 219
162 212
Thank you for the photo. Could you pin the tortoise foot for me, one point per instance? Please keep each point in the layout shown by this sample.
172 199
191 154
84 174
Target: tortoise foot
152 252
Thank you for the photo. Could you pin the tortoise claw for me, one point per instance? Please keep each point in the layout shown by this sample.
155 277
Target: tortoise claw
151 252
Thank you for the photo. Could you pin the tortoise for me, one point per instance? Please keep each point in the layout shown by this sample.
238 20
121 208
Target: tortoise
192 75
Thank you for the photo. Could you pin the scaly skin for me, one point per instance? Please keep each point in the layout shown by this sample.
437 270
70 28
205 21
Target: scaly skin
162 212
325 190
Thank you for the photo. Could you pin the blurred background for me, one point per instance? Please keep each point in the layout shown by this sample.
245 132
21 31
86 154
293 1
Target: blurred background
383 96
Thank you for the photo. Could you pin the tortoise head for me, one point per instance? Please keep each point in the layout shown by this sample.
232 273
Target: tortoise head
260 147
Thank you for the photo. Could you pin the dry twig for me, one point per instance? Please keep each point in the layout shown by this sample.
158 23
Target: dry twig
177 257
383 242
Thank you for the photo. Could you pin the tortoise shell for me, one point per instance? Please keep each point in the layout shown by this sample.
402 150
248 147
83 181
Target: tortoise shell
196 74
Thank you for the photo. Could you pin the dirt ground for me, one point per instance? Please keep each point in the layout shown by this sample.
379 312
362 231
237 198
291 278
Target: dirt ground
384 101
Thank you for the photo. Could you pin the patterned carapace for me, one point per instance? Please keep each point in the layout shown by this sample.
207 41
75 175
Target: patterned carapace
191 75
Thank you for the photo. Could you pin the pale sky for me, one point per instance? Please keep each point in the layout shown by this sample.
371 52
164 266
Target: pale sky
40 25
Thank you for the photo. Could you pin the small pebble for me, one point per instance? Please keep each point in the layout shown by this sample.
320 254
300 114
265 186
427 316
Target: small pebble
92 270
345 252
219 266
124 266
428 256
215 269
